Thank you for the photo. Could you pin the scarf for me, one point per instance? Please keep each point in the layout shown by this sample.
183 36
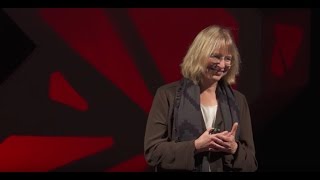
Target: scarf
188 119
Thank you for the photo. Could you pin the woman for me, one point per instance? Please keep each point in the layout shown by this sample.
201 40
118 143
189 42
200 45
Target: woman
200 123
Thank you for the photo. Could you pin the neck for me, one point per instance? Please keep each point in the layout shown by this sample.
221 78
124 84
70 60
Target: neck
208 86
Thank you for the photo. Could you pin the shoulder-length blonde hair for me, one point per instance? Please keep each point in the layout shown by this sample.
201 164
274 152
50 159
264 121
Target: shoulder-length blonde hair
206 42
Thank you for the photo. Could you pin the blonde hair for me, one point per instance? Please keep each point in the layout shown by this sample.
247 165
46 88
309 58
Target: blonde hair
206 42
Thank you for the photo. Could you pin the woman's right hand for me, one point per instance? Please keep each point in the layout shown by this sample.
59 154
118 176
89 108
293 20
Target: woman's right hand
206 143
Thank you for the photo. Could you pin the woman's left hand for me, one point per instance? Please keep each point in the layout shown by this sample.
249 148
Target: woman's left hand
227 141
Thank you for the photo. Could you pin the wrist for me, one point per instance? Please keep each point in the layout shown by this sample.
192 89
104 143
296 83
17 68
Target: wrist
196 146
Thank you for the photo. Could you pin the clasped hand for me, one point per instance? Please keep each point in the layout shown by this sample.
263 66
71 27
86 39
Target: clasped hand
218 142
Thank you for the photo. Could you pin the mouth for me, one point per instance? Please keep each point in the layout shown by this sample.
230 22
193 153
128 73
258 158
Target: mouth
214 68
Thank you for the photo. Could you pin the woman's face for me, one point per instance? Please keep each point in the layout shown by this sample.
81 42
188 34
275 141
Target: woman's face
217 65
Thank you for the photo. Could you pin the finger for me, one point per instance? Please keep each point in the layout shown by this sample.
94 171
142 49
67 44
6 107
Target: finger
234 129
215 145
224 133
225 138
219 149
222 143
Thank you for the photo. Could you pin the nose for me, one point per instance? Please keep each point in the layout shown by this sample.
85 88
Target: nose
222 63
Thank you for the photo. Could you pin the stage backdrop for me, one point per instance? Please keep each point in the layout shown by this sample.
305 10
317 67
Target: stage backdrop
77 84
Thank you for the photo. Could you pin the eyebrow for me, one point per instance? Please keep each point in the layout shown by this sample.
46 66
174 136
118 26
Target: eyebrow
220 54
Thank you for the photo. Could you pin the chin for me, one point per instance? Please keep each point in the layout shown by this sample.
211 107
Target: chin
216 78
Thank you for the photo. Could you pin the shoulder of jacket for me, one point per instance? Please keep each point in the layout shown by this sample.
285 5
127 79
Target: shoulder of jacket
237 93
240 97
170 87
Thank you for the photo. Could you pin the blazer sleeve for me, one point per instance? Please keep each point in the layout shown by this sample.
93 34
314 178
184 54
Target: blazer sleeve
159 149
244 158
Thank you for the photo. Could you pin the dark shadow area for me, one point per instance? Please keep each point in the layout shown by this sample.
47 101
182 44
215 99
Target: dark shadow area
15 46
27 110
136 47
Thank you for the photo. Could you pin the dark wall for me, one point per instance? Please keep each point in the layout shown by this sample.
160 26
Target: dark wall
77 84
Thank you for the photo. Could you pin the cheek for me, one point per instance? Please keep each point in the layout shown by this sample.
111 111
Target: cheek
207 75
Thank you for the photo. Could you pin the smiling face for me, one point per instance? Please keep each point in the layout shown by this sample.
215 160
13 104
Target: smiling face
217 65
213 56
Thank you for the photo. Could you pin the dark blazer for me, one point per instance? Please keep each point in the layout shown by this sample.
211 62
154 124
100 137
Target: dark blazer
165 154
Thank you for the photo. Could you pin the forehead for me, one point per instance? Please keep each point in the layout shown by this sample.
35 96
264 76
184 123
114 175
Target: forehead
223 51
